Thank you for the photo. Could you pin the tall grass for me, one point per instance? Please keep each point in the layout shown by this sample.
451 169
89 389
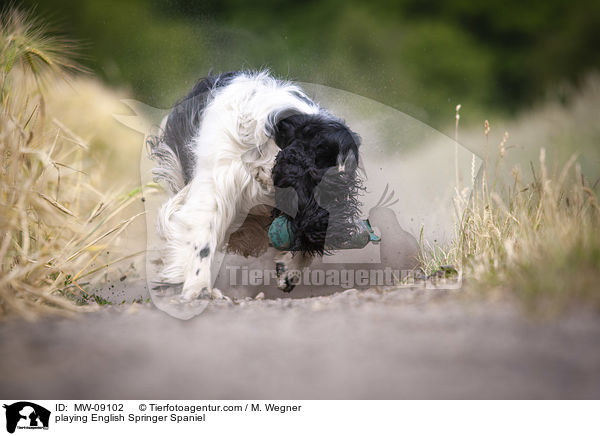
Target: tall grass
535 237
540 241
26 42
55 226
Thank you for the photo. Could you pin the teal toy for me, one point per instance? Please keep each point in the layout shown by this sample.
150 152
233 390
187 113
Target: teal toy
281 235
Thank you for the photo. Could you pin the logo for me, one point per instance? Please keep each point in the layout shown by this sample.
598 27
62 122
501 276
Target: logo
26 415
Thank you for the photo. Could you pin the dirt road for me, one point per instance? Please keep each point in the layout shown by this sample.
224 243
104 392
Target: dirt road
359 344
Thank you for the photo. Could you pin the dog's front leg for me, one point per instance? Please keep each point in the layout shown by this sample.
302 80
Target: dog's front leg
212 209
288 269
198 274
204 223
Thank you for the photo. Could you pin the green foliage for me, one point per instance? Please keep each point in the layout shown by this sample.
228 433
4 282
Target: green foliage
421 56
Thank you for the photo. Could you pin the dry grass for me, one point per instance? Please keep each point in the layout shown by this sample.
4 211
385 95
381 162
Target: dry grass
539 240
26 42
534 235
55 224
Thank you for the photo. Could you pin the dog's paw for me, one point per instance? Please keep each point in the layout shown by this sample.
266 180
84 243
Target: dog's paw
216 294
286 279
203 293
195 293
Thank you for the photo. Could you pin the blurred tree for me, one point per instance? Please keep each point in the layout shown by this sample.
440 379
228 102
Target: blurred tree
421 56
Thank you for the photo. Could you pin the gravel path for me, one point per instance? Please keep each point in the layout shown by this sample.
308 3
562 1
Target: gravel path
358 344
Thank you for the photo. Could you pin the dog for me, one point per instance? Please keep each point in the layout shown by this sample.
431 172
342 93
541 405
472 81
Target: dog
241 149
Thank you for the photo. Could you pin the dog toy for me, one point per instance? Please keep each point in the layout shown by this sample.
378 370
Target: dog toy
281 235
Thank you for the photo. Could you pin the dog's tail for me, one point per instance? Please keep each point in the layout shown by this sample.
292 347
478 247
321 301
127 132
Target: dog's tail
168 164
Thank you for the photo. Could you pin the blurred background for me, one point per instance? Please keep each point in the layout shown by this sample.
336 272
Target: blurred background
423 57
75 211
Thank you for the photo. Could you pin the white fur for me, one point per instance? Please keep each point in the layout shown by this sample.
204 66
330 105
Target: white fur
234 157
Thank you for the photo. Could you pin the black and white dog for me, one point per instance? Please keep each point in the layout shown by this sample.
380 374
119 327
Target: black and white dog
241 149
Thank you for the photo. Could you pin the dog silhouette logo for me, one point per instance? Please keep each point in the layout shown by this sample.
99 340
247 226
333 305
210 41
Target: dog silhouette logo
26 415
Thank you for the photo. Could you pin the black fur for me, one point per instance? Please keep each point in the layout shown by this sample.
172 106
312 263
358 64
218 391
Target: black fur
204 252
327 199
321 202
184 120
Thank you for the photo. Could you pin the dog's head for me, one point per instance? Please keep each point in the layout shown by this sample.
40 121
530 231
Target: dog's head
316 180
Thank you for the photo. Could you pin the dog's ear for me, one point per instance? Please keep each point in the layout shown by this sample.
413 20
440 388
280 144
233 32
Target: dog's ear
282 126
309 227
